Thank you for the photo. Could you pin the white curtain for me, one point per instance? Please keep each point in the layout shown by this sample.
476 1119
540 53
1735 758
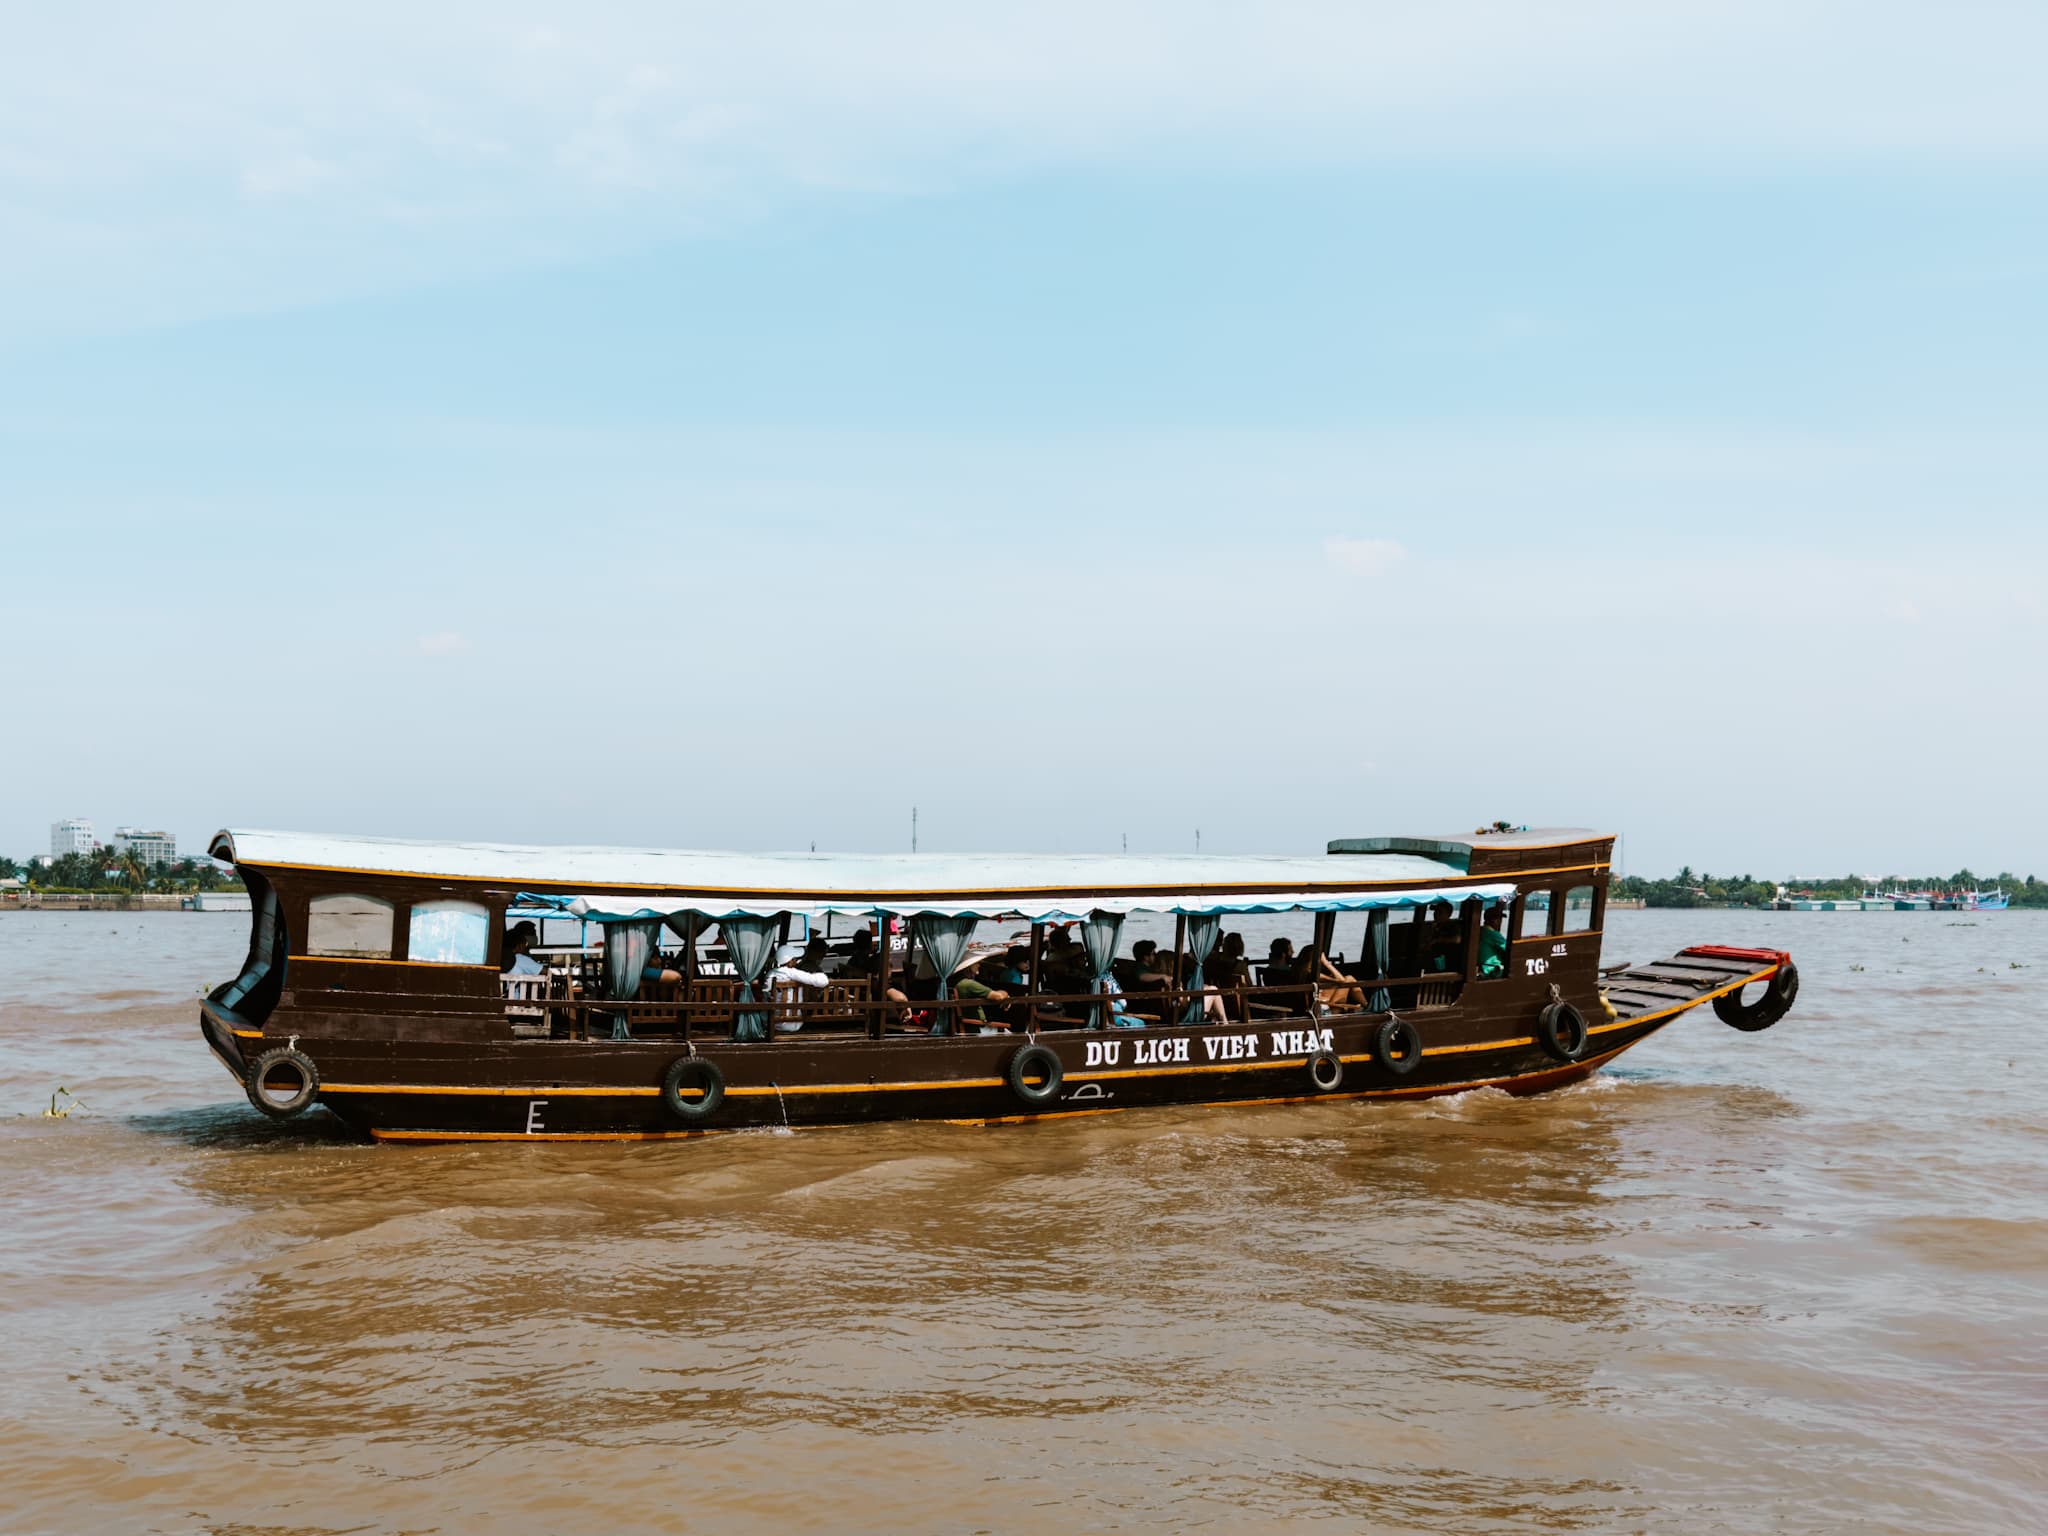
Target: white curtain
1203 931
751 943
1100 933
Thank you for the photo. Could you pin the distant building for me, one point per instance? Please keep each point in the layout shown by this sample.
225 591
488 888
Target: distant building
149 847
71 835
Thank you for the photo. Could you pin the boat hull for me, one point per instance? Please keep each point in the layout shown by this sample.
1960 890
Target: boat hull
560 1090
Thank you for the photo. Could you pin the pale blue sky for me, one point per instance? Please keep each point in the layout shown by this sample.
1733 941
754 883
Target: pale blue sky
1290 421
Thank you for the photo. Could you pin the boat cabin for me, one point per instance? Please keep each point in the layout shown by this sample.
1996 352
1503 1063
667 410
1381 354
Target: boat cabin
453 941
442 991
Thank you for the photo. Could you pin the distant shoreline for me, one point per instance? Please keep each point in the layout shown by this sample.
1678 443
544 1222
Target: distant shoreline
136 901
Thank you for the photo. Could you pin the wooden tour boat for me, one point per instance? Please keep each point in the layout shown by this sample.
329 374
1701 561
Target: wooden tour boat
380 982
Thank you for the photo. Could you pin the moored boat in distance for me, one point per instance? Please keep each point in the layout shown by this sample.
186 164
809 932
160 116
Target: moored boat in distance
385 982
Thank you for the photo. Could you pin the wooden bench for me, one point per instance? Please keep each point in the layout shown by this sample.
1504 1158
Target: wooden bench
713 1001
838 1007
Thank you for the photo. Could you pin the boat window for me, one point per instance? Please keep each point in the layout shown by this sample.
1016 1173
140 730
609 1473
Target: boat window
1441 936
1536 907
448 932
349 927
1578 909
1404 945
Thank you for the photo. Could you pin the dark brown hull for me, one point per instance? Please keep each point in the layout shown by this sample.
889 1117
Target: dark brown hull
547 1089
417 1042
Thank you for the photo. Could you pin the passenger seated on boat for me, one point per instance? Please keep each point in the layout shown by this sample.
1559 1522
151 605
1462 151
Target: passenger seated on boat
514 959
1143 963
908 1014
1441 950
1281 969
1120 1015
1065 975
1279 962
1493 945
802 971
1228 972
861 955
1011 971
1336 991
1064 961
971 989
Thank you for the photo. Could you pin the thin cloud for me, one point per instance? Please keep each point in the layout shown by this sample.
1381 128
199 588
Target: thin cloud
447 643
286 176
1365 557
513 144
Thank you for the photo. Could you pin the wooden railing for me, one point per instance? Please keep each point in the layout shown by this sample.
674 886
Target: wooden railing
710 1008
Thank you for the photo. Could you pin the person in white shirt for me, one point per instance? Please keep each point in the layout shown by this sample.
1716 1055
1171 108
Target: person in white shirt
803 970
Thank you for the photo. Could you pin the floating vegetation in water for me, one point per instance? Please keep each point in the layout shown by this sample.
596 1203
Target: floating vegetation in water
63 1102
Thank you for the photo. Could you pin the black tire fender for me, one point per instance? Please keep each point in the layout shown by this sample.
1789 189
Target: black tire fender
1034 1074
1326 1070
693 1088
1561 1031
1397 1046
299 1099
1766 1010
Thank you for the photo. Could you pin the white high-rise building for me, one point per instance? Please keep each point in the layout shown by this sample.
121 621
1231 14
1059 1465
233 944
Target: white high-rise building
150 847
71 835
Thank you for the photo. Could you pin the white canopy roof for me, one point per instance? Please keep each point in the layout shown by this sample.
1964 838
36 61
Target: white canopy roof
640 883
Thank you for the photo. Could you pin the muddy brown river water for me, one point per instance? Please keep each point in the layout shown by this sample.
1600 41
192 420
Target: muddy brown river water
1788 1282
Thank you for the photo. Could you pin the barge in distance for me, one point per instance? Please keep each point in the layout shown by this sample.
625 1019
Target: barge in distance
389 981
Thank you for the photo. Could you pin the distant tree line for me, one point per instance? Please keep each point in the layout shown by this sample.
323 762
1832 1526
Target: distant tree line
1686 889
104 870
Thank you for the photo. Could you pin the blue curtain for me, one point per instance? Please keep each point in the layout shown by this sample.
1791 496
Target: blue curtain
626 948
1380 1000
944 940
1100 933
1203 931
751 943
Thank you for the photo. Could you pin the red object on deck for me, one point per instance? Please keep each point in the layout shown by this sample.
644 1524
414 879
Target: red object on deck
1729 952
